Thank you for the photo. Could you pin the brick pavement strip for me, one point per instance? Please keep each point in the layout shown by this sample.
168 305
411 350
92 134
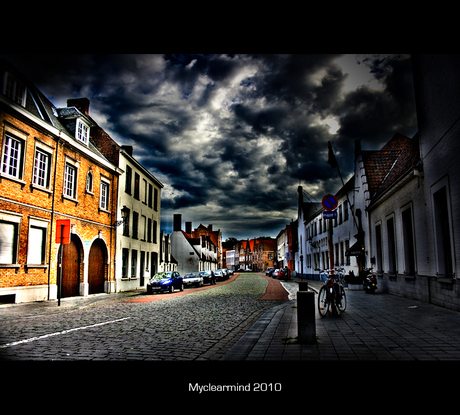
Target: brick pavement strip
194 325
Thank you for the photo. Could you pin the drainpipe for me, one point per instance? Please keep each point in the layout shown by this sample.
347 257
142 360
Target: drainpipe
52 215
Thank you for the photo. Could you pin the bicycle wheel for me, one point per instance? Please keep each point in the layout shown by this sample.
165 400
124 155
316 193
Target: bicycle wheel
342 304
323 304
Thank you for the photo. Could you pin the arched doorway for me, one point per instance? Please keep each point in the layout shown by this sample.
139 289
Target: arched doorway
97 267
71 262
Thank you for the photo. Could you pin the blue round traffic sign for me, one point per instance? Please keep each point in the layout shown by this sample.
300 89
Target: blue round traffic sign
329 202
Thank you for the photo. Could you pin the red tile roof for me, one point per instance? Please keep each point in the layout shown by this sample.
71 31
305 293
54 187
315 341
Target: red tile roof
385 167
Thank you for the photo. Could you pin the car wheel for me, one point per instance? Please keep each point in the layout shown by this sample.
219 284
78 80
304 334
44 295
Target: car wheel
182 287
171 288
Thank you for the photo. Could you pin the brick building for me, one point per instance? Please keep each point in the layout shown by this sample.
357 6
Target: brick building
50 170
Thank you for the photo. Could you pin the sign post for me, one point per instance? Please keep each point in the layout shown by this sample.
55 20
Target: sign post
330 203
63 238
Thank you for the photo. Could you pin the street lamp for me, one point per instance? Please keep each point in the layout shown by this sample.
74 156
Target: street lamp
124 216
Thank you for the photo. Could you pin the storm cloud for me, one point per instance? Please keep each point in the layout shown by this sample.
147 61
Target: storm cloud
232 136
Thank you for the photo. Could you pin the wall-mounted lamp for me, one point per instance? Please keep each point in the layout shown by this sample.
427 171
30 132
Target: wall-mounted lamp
124 216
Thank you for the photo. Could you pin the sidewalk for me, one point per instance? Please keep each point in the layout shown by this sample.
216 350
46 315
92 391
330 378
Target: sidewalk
379 327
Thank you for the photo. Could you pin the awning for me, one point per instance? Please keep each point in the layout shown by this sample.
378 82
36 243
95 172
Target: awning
356 249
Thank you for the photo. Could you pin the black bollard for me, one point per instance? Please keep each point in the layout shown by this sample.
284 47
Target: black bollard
306 324
303 285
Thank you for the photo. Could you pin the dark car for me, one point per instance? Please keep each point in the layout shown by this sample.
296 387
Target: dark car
269 271
208 277
165 281
219 275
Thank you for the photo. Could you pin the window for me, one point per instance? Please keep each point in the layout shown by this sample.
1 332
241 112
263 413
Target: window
150 202
136 185
133 263
14 90
443 232
124 263
155 200
135 225
8 242
41 175
155 231
70 181
82 133
149 230
144 228
104 197
37 242
379 249
391 246
347 257
408 234
126 224
12 156
89 182
128 179
145 190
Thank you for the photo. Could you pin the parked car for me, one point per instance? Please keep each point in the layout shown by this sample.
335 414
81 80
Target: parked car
269 271
283 274
165 281
208 277
193 278
219 275
275 273
224 273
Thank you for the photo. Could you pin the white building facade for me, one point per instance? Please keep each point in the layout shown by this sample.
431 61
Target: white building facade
138 236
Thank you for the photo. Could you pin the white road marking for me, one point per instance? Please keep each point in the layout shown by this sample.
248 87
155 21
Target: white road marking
32 339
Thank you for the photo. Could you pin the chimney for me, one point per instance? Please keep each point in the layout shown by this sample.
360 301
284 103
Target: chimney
177 223
128 150
210 228
188 228
82 104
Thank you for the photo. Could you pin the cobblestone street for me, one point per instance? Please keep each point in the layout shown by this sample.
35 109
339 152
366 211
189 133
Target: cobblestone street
198 324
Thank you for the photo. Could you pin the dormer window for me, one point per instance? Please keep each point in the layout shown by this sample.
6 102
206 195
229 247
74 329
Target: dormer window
14 89
82 132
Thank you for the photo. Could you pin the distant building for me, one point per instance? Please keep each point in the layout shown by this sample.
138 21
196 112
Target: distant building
192 253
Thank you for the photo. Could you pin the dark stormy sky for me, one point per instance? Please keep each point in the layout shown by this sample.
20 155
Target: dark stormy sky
232 136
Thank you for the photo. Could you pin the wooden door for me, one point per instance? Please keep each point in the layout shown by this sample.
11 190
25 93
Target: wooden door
70 270
97 266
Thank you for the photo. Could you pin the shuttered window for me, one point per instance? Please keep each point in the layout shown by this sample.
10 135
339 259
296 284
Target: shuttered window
37 245
8 241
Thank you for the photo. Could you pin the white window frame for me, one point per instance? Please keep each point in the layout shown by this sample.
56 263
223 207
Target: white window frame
104 197
11 88
440 267
15 221
82 132
66 188
12 156
41 168
89 182
37 248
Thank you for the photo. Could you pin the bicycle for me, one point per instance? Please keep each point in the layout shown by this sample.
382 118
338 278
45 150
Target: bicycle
331 296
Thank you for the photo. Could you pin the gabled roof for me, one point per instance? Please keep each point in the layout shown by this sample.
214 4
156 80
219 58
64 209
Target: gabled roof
40 106
385 167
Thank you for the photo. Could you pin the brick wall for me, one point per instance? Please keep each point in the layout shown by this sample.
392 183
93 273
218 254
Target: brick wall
20 197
